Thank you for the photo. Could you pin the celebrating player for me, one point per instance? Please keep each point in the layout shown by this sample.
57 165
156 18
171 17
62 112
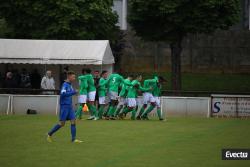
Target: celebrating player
102 91
66 109
91 95
114 82
82 99
123 94
148 96
156 92
132 96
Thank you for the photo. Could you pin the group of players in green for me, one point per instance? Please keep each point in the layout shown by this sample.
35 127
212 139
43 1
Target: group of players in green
120 94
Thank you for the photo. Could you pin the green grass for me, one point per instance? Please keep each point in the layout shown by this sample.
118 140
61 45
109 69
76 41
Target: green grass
178 142
210 82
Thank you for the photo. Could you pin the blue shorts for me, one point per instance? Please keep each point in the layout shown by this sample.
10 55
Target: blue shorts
66 113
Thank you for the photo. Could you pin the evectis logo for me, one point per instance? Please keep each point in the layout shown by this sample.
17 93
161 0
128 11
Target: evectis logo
235 154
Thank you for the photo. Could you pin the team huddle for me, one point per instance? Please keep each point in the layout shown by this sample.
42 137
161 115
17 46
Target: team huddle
118 93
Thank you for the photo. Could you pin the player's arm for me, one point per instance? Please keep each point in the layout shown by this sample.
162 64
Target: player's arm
144 89
103 82
66 93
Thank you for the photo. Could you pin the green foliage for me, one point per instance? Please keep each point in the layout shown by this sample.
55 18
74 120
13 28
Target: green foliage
60 19
171 20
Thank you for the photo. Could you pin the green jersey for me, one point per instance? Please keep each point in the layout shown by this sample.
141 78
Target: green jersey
132 90
102 87
150 83
114 82
157 90
83 84
125 85
91 83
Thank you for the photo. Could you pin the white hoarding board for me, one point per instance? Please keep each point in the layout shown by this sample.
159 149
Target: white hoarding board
231 105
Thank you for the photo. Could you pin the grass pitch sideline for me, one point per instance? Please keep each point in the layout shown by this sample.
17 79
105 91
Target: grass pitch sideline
176 142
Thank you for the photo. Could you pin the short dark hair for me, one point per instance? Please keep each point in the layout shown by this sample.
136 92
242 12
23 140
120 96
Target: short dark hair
88 71
161 79
83 71
103 72
70 73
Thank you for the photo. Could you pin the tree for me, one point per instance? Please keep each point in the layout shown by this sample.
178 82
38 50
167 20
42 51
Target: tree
172 20
60 19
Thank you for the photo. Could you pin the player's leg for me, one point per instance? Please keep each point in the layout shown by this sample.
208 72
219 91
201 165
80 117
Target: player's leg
101 102
114 103
145 104
112 109
150 108
54 129
82 99
158 105
62 117
131 107
71 117
121 105
91 104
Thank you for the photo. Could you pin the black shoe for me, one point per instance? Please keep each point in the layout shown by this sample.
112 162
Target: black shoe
138 118
161 119
145 117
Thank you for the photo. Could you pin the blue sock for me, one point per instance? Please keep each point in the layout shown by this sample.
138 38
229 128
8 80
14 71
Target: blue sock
54 129
73 131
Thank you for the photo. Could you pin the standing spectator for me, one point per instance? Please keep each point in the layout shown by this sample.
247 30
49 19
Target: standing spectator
10 82
63 75
25 79
16 77
48 83
96 79
35 79
1 80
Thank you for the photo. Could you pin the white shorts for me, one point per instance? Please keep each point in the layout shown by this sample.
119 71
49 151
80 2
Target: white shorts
157 101
82 99
148 98
131 102
91 96
123 101
102 100
113 95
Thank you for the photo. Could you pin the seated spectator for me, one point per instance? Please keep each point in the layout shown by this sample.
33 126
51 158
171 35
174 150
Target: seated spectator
48 83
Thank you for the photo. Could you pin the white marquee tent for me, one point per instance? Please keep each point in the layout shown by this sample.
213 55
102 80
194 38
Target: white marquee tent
77 52
54 55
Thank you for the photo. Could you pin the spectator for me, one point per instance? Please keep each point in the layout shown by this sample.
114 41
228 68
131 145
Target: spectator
25 79
35 79
16 77
10 82
96 79
1 80
48 83
63 75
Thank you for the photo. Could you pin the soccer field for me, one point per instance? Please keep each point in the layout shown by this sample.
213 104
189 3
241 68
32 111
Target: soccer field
178 142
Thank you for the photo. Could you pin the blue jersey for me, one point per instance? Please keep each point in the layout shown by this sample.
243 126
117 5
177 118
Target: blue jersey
66 94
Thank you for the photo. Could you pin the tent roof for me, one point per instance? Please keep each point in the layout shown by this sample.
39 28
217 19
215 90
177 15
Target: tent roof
55 51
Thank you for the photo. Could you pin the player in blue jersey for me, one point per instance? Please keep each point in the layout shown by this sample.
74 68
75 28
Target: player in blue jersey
66 108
